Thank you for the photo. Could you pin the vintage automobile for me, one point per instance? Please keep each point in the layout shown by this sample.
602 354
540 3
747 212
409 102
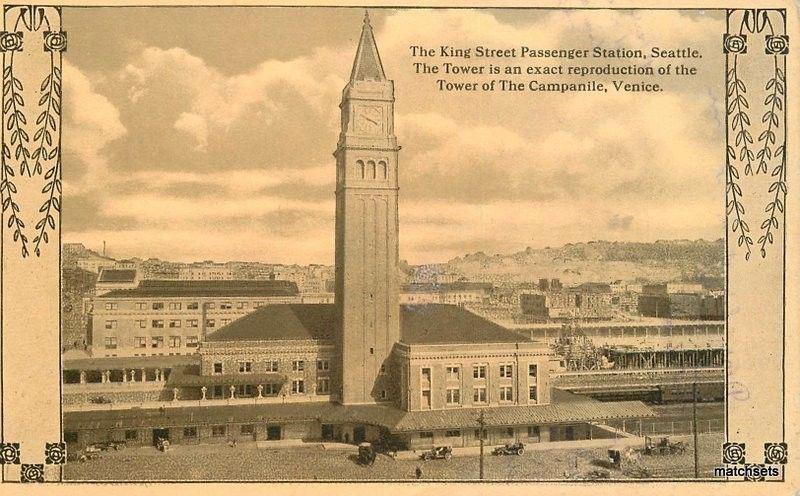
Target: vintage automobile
438 453
366 454
510 449
111 445
663 447
162 444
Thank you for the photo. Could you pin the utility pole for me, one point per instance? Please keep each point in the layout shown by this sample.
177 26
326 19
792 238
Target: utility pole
694 430
481 431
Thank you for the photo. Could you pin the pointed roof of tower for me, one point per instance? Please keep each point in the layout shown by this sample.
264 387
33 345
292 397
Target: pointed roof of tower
367 65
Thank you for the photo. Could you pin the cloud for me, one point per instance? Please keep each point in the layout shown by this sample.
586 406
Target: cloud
620 223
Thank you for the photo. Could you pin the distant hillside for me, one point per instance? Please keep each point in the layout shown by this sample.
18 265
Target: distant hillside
574 263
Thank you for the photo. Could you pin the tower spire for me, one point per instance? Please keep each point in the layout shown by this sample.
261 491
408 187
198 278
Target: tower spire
367 65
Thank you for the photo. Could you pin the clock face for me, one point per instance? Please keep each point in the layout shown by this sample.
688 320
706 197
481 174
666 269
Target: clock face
369 120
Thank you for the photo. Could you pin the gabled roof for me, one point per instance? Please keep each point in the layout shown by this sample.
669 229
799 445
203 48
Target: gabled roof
450 324
117 276
281 322
367 65
419 324
221 289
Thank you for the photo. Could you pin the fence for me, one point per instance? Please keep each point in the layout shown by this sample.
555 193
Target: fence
672 427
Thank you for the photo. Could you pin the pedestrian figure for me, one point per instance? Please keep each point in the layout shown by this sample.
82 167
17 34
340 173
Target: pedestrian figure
418 472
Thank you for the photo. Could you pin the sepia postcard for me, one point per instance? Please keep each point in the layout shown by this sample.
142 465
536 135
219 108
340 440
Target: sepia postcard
425 247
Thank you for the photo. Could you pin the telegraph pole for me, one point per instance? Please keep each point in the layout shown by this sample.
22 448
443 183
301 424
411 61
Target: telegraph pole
694 430
481 423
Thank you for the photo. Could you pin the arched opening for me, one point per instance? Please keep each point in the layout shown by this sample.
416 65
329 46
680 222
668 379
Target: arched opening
383 170
360 169
371 167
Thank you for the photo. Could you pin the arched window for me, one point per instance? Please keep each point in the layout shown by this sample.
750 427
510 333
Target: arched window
384 171
371 167
360 168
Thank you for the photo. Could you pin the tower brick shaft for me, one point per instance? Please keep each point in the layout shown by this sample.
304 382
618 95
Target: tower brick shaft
367 286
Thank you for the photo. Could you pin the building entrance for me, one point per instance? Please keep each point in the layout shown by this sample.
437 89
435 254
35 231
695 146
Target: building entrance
273 432
359 434
160 434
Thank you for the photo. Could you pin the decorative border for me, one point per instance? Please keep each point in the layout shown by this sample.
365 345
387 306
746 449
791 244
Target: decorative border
37 161
740 145
25 159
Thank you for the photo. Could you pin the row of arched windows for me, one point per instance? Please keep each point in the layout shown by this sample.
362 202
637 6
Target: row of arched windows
372 170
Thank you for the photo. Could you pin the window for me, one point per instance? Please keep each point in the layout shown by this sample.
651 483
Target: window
323 385
426 435
298 386
217 367
190 432
479 371
478 434
111 324
371 170
245 367
174 306
453 396
140 342
158 324
506 393
174 341
272 366
533 431
383 170
111 343
258 304
158 306
191 323
360 165
217 430
224 322
226 305
211 305
111 306
191 341
174 323
383 368
192 306
210 323
217 392
298 365
323 365
453 373
479 395
426 377
532 369
244 391
509 432
383 395
506 371
141 324
131 434
141 306
455 433
271 389
157 342
241 305
247 429
532 393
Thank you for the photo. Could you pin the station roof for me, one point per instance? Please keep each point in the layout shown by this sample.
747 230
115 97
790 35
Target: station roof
419 324
384 416
117 276
116 363
217 289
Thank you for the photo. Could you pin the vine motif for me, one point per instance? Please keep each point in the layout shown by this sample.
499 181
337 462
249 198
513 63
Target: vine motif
778 188
735 205
7 187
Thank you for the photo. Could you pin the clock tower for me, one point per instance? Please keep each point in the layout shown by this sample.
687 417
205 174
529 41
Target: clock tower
367 286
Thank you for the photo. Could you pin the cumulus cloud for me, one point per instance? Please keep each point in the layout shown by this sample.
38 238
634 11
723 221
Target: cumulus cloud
242 157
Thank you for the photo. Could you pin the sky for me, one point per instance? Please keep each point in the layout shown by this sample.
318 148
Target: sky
207 133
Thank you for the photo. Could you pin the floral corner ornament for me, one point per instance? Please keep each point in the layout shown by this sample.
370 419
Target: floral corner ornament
733 453
776 44
55 453
55 41
776 453
9 454
734 43
10 41
32 472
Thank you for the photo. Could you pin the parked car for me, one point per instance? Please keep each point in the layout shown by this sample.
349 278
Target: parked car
162 444
437 453
510 449
366 454
92 448
111 445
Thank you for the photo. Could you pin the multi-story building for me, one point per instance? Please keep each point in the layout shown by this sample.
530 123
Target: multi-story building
172 317
363 368
455 293
206 271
